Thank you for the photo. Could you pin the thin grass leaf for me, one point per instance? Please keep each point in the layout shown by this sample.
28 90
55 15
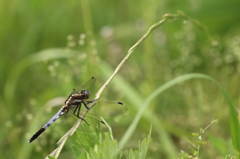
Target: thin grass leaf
18 69
234 124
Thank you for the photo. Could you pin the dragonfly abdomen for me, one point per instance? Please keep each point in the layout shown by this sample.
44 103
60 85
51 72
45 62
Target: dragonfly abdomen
62 111
39 132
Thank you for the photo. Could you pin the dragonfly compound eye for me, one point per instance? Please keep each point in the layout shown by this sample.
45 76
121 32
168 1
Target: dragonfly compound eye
85 94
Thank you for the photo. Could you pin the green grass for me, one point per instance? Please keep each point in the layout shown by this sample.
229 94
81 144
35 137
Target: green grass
183 75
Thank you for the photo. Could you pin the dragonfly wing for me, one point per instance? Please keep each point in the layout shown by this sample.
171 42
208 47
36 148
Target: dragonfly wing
87 86
108 108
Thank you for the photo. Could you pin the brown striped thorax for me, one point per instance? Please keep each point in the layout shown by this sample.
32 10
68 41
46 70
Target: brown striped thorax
77 98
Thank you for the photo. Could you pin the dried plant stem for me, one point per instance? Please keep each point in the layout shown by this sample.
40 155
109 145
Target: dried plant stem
62 141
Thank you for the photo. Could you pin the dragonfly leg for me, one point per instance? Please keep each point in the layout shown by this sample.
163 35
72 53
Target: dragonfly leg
85 104
77 107
78 110
77 114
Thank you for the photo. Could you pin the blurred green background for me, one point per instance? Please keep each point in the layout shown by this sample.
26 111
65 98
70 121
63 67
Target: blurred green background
50 47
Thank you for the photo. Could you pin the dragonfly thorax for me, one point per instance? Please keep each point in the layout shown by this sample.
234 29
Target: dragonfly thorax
77 98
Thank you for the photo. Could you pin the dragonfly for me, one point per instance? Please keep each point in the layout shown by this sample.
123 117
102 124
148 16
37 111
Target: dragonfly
75 101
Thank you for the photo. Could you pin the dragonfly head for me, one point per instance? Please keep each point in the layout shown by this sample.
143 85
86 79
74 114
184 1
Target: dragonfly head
85 94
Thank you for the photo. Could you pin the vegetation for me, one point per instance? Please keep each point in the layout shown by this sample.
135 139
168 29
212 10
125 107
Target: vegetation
182 76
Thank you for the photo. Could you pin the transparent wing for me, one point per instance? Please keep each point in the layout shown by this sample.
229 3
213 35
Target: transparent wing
76 112
70 118
108 108
101 108
87 86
